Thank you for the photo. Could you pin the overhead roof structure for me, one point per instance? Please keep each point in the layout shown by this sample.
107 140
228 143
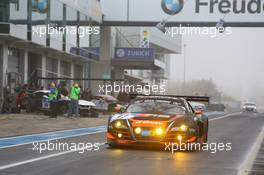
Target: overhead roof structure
236 13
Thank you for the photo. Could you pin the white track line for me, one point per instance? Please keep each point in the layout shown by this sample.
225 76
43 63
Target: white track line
57 138
247 164
39 158
52 132
225 116
34 160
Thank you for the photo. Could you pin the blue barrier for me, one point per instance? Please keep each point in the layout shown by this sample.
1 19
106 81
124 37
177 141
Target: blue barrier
27 139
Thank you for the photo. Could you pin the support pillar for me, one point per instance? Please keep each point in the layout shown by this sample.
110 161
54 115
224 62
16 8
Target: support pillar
43 69
3 73
25 74
59 70
72 72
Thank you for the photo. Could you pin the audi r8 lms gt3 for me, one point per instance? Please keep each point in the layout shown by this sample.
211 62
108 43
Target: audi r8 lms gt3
156 120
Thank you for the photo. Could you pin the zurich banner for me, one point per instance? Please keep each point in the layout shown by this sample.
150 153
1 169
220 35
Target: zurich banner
87 52
134 53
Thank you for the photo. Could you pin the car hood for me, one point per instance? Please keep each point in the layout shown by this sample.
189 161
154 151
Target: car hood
81 102
249 106
86 103
145 120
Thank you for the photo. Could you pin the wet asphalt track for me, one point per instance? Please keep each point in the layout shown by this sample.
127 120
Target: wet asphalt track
241 130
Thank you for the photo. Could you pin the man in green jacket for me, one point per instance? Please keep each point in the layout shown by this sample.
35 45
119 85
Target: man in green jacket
74 96
53 97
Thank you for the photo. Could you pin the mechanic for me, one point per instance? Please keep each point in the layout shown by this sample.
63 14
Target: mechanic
62 89
74 96
53 97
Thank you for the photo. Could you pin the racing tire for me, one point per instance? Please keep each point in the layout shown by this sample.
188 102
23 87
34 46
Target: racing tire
28 106
192 148
205 137
18 110
63 109
112 146
202 138
95 114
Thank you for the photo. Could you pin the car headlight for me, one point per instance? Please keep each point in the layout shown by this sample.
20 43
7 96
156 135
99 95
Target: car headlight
119 135
183 128
120 125
138 130
179 137
159 131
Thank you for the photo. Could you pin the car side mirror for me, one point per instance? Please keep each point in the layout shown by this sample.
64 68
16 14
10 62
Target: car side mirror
198 115
119 109
198 112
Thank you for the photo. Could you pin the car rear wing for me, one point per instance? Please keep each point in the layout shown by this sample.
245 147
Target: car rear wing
203 99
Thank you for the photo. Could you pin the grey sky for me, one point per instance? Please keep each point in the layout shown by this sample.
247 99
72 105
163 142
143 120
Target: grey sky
235 62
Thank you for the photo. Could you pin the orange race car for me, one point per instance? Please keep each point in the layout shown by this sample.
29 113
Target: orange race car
156 120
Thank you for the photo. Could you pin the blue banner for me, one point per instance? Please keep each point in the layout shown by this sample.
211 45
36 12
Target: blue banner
134 53
40 6
88 52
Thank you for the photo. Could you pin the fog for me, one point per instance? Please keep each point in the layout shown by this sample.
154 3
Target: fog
235 62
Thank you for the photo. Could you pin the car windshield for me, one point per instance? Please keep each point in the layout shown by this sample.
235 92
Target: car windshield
156 108
250 104
107 97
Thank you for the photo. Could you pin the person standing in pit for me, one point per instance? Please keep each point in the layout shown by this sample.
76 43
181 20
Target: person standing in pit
53 97
74 96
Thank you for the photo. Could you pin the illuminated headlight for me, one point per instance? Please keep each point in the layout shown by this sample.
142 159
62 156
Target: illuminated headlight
159 131
180 128
119 135
183 128
120 125
179 137
138 130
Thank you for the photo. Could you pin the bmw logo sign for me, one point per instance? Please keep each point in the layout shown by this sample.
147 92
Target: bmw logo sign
172 7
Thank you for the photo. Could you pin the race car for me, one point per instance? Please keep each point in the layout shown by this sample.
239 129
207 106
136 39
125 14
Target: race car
249 107
104 102
156 120
38 101
33 101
